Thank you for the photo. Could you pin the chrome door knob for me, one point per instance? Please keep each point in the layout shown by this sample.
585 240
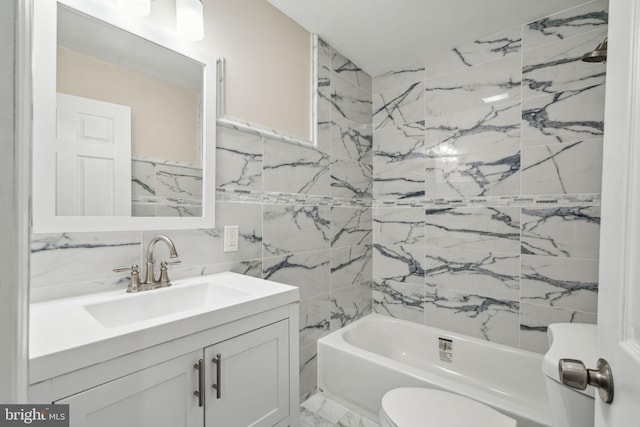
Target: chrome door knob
574 374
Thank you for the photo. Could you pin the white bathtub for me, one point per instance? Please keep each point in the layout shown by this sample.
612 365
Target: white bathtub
358 364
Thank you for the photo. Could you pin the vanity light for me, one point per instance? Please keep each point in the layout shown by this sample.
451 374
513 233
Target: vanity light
135 7
190 19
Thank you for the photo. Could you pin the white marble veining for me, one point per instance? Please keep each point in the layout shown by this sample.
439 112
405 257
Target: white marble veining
492 127
590 16
399 299
574 167
349 101
488 318
165 188
324 75
350 266
323 129
314 319
399 226
400 76
59 259
489 173
398 106
350 303
143 178
295 169
350 140
309 271
350 226
398 162
401 263
239 159
308 371
291 229
177 181
484 49
465 89
561 283
495 275
558 67
350 71
572 232
474 228
568 116
351 179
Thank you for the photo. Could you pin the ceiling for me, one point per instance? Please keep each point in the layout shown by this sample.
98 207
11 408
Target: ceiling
380 34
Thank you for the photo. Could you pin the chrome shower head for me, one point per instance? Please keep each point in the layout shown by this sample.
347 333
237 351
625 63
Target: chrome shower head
599 54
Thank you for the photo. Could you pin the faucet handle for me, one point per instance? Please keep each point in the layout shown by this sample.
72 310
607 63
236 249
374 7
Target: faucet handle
134 281
164 275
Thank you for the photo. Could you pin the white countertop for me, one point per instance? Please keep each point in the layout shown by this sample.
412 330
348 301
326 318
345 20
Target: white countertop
64 336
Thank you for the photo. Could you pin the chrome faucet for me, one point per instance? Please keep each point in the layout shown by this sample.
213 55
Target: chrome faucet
150 281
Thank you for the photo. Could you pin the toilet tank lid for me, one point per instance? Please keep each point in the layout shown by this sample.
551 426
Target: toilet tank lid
571 341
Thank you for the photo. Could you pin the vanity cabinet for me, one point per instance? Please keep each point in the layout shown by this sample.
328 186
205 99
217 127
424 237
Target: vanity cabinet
159 396
247 378
251 378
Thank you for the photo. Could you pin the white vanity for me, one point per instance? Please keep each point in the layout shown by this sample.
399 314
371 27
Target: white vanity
217 350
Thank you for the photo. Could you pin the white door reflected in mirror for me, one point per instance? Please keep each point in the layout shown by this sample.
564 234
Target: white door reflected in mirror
93 157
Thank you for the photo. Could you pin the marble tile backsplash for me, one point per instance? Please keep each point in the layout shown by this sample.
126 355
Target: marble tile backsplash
161 188
487 162
304 215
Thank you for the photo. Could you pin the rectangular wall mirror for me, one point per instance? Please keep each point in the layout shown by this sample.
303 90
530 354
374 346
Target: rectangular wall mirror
124 123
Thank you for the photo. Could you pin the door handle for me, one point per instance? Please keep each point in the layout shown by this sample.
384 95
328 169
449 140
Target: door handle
200 392
218 387
574 374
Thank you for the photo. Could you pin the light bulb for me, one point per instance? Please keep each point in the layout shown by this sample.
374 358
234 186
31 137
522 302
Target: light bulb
190 19
135 7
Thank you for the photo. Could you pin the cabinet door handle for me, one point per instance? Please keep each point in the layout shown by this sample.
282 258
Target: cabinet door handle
218 386
200 392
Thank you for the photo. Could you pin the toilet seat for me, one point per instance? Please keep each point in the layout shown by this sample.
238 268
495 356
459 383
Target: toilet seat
421 407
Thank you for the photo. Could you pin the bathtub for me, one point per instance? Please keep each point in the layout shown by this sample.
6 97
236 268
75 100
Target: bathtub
358 364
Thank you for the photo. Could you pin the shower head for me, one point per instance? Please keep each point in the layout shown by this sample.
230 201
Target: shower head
599 54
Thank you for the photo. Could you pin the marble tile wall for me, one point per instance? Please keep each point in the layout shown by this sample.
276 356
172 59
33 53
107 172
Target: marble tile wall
487 164
161 188
304 215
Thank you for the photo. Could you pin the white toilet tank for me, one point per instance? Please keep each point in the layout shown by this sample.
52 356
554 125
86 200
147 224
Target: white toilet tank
570 407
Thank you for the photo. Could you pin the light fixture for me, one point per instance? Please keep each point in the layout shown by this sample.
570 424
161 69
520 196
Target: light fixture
190 19
135 7
599 54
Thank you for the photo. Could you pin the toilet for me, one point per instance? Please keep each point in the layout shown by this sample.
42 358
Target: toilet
424 407
570 407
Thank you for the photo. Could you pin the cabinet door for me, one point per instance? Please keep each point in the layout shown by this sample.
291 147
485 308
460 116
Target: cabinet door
158 396
253 378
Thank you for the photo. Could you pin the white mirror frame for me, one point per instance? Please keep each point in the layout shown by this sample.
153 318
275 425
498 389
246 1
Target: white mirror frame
44 123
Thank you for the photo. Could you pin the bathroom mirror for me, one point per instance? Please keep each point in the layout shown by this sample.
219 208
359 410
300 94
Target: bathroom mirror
124 123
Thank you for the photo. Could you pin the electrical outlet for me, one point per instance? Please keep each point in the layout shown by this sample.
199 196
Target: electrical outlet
231 238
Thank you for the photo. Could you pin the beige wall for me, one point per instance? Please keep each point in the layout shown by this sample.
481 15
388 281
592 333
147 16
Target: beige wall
268 64
164 122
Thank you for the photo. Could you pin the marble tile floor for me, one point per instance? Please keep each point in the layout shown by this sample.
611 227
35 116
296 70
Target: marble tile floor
320 411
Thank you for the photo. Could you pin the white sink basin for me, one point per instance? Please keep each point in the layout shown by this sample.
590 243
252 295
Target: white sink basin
146 305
